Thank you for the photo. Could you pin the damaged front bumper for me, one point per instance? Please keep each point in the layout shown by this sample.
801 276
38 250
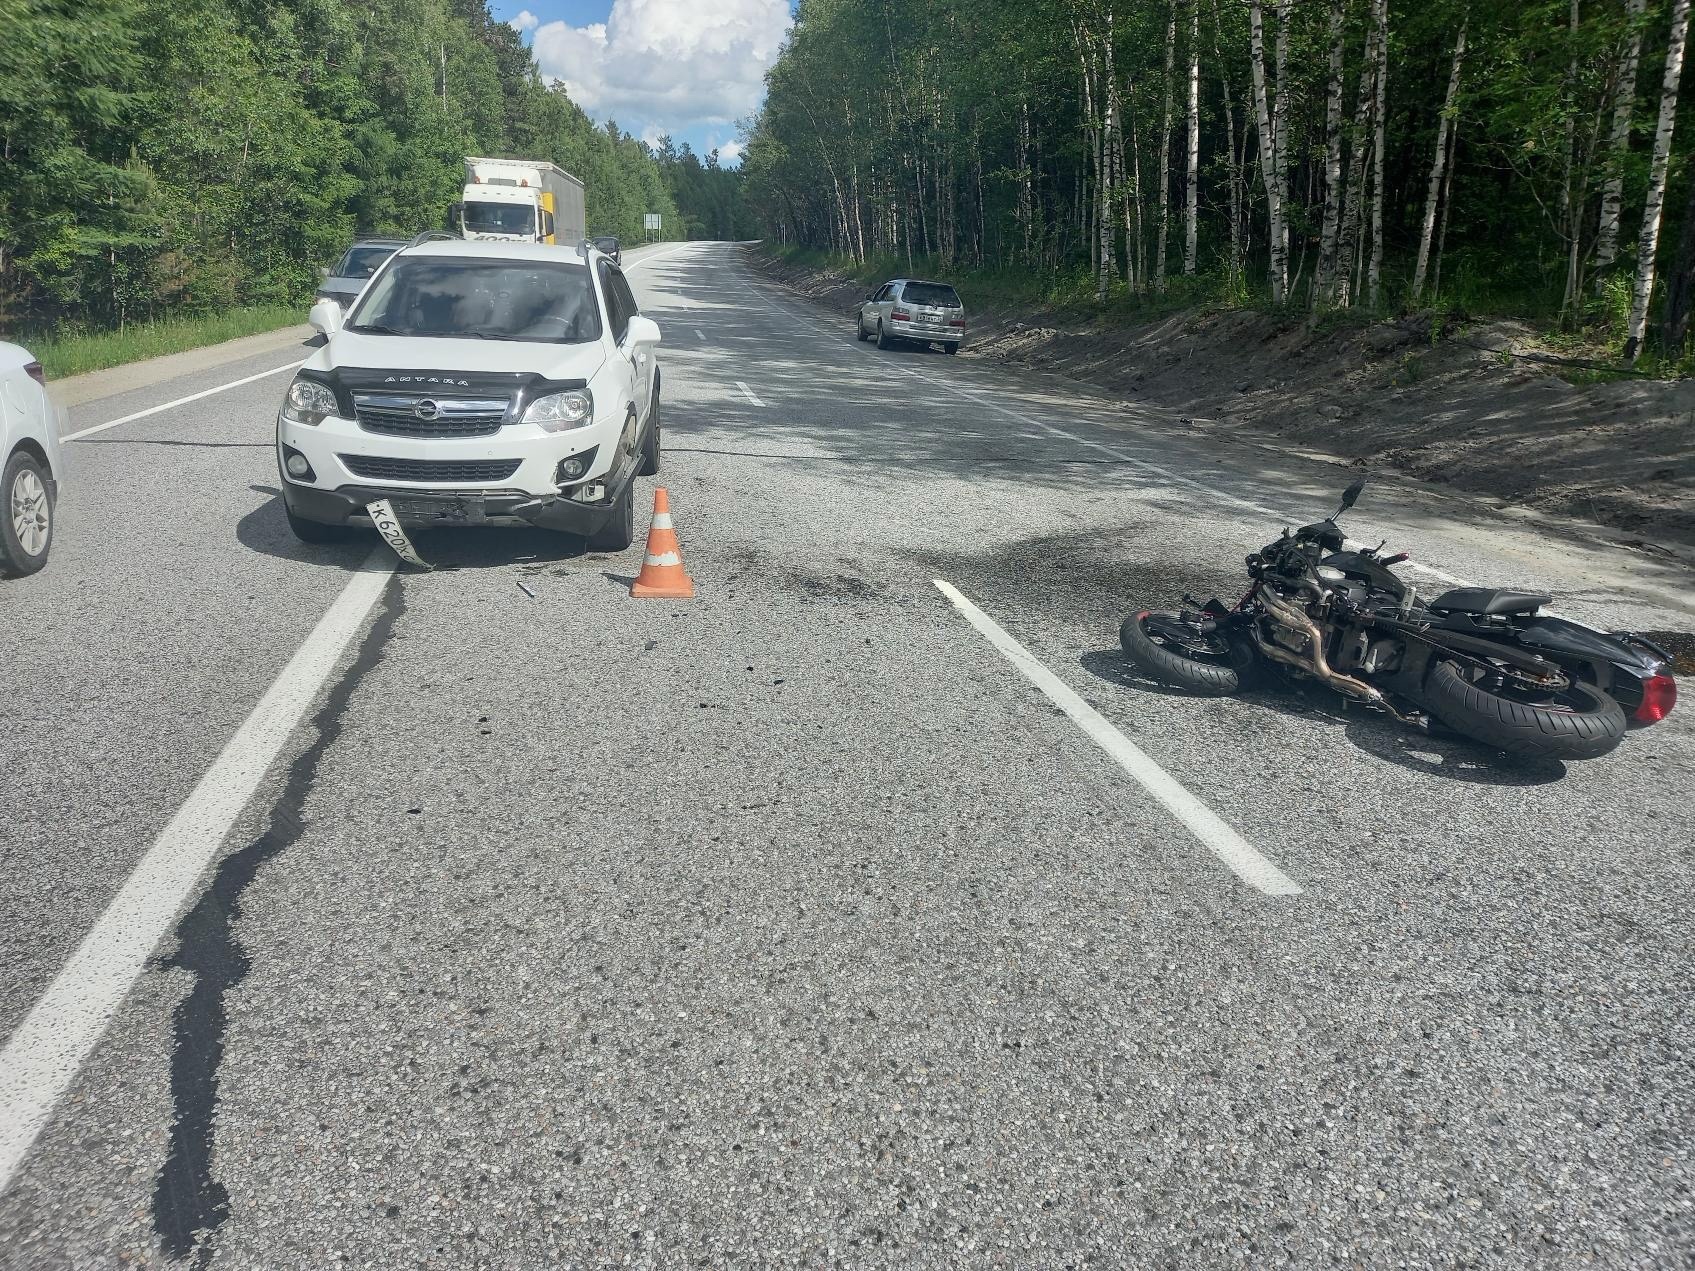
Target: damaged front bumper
421 509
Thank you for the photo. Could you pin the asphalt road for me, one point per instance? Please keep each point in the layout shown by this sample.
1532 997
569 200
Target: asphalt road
793 925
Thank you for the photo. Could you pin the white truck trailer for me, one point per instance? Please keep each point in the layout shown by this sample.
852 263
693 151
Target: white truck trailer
528 200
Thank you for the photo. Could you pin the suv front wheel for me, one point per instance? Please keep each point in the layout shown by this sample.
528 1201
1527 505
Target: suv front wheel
619 531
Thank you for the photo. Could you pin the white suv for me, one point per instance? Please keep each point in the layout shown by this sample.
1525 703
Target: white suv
477 383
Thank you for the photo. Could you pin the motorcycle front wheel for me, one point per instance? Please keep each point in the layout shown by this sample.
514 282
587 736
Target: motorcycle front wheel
1176 651
1578 721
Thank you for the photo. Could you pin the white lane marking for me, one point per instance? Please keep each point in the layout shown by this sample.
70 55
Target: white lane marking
42 1057
181 401
646 260
1238 855
749 393
1053 431
699 334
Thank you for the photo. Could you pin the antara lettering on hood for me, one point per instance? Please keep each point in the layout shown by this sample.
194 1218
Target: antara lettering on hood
426 379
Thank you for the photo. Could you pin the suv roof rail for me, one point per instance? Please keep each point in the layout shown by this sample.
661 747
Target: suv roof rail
432 236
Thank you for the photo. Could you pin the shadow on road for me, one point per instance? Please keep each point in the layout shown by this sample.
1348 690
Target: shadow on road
265 529
1439 754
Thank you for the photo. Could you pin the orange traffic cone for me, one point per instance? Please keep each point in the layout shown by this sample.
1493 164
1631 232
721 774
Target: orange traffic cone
662 572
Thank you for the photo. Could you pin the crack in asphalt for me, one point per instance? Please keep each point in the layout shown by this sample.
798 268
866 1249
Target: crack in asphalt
189 1203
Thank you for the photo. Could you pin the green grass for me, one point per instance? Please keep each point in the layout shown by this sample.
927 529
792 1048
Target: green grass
72 353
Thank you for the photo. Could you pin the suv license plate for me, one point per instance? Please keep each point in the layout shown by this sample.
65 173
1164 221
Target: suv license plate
447 508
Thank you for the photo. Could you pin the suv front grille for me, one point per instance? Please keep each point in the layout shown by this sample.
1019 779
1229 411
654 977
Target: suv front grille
416 415
377 469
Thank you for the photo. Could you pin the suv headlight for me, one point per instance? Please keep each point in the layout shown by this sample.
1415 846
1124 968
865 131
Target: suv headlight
308 402
559 412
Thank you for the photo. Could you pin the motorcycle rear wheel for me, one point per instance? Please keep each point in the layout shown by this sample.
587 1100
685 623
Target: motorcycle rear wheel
1180 654
1575 722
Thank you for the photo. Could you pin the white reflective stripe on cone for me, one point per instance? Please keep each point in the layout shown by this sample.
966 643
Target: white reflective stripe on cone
669 558
662 521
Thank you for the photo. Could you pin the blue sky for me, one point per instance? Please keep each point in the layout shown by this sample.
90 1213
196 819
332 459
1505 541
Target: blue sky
690 68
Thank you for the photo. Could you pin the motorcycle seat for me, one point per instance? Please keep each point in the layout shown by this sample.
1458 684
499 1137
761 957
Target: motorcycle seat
1489 600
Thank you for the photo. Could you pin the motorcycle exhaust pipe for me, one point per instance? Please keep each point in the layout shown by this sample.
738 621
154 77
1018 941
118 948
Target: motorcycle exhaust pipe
1291 614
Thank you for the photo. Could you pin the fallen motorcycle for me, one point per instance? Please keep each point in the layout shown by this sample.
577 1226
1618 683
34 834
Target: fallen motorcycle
1485 663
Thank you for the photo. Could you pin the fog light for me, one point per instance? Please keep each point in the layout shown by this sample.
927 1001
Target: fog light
297 465
572 468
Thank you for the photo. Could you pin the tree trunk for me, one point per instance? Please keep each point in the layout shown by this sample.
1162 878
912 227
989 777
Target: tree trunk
1374 272
1618 144
1324 284
1280 121
1267 153
1165 150
1353 192
1649 242
1192 193
1230 137
1437 165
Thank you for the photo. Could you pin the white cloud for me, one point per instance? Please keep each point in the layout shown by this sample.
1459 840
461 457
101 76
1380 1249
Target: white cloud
525 21
667 64
730 153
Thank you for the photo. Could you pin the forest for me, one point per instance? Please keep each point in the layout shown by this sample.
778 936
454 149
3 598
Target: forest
182 156
1514 157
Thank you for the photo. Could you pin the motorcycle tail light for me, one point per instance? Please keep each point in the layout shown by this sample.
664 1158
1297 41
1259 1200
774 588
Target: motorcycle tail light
1659 695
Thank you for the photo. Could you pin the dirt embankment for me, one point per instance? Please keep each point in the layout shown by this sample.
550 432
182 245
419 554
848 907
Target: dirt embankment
1462 409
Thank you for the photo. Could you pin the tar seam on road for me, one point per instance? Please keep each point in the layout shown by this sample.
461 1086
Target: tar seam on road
189 1204
45 1052
181 401
1240 857
749 393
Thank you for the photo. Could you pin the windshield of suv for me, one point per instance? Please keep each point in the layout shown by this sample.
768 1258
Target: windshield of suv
500 218
362 262
930 293
472 298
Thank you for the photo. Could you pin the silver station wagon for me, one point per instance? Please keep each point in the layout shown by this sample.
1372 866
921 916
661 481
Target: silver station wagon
911 309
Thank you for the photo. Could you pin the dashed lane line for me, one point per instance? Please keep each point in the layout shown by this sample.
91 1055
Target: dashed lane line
750 394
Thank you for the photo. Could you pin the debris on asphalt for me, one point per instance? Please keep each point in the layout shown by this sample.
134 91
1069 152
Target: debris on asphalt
525 589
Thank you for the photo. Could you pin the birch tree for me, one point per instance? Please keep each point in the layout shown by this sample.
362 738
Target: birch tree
1374 272
1323 291
1192 186
1268 165
1649 242
1437 166
1618 142
1165 151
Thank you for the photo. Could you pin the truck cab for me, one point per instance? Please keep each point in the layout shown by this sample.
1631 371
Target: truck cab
519 200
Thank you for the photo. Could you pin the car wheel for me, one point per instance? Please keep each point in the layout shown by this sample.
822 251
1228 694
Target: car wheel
884 339
650 447
620 531
26 515
316 531
859 326
951 348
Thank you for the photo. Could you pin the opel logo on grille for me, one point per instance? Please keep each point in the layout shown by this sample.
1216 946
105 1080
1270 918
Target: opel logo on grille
426 410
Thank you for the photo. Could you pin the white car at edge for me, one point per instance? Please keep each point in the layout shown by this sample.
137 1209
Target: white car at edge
477 383
31 464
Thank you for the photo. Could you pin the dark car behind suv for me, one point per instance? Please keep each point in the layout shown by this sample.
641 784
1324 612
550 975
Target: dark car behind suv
348 277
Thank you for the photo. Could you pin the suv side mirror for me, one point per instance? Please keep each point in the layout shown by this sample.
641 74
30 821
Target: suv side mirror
641 331
325 317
